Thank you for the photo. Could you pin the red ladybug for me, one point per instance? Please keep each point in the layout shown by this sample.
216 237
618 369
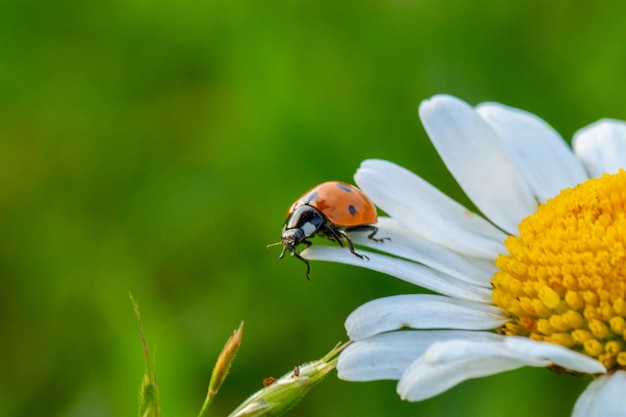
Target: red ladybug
330 210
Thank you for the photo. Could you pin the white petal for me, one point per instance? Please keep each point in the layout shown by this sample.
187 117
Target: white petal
542 354
387 355
601 146
421 311
427 211
407 244
471 150
431 375
540 154
447 364
408 271
603 397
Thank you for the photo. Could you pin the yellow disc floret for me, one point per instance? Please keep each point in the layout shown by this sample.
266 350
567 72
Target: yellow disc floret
564 278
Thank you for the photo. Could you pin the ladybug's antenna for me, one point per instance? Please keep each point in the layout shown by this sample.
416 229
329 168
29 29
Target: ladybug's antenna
276 244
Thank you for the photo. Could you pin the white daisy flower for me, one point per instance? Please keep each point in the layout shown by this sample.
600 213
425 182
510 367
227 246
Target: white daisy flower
540 280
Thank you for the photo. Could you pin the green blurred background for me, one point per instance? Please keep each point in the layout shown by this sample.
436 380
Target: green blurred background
154 147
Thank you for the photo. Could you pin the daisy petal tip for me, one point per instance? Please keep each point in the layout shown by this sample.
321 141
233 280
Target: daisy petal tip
439 102
375 166
604 127
603 397
601 146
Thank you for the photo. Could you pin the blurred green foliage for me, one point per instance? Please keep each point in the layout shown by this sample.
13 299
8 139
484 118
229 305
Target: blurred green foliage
154 147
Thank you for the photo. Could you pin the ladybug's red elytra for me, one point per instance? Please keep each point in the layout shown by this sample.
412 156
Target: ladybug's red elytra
330 210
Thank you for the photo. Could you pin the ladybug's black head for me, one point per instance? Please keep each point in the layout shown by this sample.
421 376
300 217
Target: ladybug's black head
290 239
305 221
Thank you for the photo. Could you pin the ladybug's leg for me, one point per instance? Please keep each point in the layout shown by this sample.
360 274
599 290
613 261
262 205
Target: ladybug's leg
350 245
333 234
369 228
339 236
308 265
375 239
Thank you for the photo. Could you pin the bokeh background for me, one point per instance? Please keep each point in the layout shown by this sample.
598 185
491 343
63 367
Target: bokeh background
154 147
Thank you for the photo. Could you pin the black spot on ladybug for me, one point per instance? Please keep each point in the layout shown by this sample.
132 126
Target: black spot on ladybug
344 187
352 209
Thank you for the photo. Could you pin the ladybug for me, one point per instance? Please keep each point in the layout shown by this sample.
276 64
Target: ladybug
330 210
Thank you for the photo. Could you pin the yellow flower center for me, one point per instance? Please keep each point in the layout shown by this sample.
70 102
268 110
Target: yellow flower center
564 279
